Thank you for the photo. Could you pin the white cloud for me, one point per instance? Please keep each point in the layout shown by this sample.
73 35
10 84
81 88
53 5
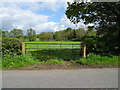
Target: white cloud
35 6
54 6
14 16
24 19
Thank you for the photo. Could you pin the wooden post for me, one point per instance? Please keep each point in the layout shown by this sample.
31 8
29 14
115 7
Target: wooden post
23 48
84 50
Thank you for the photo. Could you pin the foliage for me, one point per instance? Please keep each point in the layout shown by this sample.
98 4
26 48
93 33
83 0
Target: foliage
16 33
93 59
11 46
90 44
94 11
68 34
0 61
18 61
105 16
31 34
4 33
46 36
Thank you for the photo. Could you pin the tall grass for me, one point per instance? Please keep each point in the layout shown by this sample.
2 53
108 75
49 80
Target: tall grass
18 61
93 59
14 62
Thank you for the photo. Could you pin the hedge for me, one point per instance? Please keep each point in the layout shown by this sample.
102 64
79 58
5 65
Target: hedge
11 46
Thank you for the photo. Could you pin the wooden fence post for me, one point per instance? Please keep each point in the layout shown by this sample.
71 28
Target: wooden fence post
23 48
84 50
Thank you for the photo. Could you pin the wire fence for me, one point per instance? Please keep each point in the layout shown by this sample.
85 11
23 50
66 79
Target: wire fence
45 51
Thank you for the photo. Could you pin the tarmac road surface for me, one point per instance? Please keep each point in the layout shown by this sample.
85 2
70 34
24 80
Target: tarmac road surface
76 78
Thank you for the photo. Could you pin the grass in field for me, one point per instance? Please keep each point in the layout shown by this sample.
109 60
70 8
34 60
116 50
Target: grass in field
52 50
64 54
34 47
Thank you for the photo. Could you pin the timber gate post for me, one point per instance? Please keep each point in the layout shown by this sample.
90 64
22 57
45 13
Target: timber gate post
84 49
23 48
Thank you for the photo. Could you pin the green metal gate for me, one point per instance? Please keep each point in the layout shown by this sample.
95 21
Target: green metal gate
45 51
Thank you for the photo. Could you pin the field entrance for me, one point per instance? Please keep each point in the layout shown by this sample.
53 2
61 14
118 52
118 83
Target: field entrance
43 51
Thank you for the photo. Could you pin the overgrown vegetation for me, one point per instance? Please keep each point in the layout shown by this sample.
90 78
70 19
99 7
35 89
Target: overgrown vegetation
15 62
93 59
19 61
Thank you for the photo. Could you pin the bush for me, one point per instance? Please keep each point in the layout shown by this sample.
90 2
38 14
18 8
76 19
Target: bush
100 45
11 46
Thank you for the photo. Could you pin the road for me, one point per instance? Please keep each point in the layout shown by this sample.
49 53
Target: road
78 78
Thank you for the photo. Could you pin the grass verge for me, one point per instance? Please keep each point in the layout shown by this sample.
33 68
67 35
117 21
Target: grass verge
93 59
19 61
15 62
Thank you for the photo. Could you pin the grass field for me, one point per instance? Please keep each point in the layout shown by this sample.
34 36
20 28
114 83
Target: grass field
57 49
51 44
33 46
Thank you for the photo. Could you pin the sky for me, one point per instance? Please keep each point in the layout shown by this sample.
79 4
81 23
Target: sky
40 16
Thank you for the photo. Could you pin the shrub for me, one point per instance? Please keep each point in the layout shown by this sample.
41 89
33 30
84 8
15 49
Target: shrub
11 46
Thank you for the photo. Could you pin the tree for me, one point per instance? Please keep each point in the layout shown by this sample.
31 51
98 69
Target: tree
47 36
69 34
16 33
64 35
31 34
105 16
4 33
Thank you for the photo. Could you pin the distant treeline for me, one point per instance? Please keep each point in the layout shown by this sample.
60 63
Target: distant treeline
68 34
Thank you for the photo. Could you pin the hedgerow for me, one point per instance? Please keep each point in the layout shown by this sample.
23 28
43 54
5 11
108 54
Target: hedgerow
11 46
